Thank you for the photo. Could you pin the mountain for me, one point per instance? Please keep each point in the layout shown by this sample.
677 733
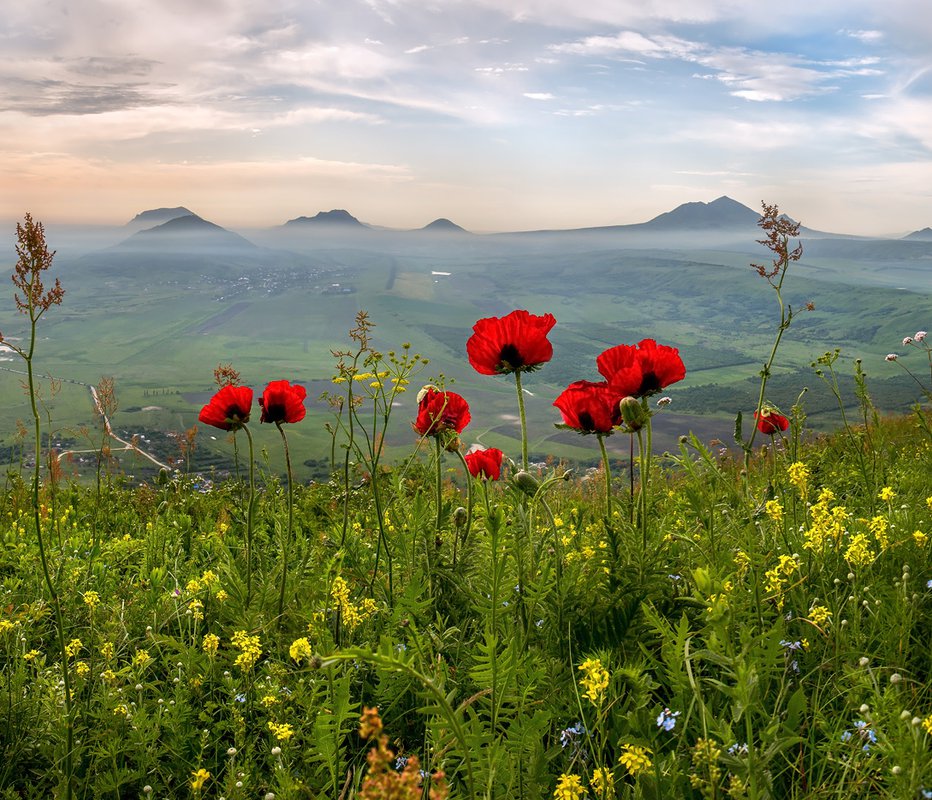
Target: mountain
723 213
337 218
925 235
189 232
156 216
443 225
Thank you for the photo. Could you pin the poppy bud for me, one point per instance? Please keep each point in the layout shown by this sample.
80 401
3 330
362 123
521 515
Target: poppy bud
633 413
527 483
459 517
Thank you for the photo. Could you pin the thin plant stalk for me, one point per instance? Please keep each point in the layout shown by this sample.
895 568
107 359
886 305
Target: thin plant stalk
250 515
522 415
286 549
608 479
468 497
439 484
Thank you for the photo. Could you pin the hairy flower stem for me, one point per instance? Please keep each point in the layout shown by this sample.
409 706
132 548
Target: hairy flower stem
439 484
286 545
469 480
523 421
250 515
608 480
46 574
644 453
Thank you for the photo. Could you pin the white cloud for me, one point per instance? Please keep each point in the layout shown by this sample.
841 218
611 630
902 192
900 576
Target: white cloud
539 96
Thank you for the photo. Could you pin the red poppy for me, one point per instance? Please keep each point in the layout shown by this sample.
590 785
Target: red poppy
282 402
769 422
642 370
228 409
485 463
439 412
590 407
516 342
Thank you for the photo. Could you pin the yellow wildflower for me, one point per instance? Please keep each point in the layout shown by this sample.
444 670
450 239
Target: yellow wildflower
569 787
250 647
210 644
635 758
927 724
777 577
603 783
281 731
920 538
594 680
798 474
199 778
819 615
879 527
31 655
300 648
269 700
858 553
221 595
142 658
887 494
774 510
73 647
91 600
81 668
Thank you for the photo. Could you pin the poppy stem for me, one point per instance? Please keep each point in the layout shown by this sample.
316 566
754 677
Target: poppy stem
631 476
286 545
439 485
523 420
608 480
250 515
468 498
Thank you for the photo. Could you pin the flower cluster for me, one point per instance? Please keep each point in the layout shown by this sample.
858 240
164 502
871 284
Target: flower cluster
635 758
594 680
250 650
229 409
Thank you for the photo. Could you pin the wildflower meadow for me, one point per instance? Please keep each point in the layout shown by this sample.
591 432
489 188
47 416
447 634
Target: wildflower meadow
741 620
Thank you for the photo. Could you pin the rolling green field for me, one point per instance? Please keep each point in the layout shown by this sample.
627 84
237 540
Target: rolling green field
160 324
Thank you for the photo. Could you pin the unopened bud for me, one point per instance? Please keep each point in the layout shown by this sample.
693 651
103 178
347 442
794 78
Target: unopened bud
633 413
527 483
459 516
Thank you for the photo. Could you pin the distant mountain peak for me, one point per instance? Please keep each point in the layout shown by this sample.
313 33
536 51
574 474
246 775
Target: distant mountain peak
723 212
336 217
186 231
924 235
156 216
443 225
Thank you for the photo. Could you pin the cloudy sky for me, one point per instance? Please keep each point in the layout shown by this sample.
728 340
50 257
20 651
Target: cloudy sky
499 114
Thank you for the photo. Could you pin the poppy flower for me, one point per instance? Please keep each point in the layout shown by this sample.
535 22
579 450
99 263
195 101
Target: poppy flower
641 370
516 342
485 463
228 409
769 422
282 402
439 412
590 407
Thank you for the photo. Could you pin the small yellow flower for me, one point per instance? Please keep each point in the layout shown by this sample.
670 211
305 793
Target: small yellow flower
199 778
142 658
819 615
927 724
281 731
73 647
81 668
920 538
300 648
31 655
569 787
603 783
91 600
774 510
887 494
635 758
269 700
798 474
221 595
210 644
594 680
